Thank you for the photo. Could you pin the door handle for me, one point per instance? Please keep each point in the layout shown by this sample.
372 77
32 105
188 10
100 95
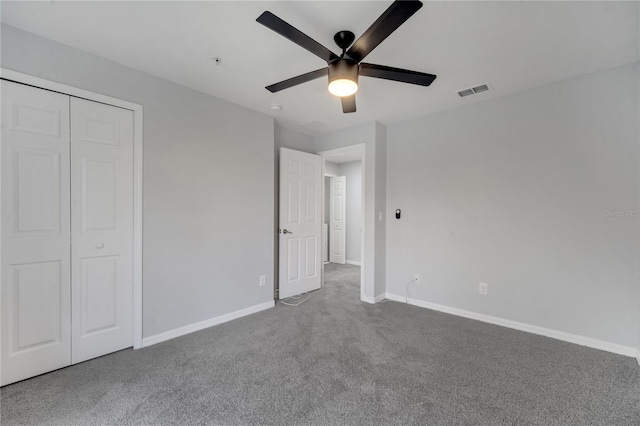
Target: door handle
284 231
100 246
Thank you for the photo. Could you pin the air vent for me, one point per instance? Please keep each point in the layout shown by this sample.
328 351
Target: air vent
474 90
482 88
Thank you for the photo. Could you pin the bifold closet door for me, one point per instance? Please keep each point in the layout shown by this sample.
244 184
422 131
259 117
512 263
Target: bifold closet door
66 231
36 335
101 228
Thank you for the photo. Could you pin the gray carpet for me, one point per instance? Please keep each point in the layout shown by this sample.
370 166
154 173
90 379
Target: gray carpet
336 360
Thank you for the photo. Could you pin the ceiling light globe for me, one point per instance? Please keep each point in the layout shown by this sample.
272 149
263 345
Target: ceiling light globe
343 87
343 77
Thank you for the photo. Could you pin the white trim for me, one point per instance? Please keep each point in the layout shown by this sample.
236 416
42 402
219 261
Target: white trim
137 175
67 90
353 262
379 298
138 128
367 228
197 326
349 149
547 332
367 299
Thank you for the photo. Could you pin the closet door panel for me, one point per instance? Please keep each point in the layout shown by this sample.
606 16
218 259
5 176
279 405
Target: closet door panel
102 228
35 233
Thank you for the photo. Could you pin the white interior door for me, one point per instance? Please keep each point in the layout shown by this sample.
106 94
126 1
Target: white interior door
35 232
337 220
300 222
102 228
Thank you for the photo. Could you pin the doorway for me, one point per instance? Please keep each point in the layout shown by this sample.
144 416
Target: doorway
343 212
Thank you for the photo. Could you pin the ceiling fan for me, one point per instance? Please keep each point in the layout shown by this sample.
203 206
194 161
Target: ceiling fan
343 70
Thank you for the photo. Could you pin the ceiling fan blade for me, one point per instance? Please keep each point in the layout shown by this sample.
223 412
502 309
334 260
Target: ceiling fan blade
294 81
396 74
388 22
348 103
276 24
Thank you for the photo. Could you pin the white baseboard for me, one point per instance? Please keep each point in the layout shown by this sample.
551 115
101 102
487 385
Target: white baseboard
547 332
374 300
368 299
353 262
638 357
177 332
379 298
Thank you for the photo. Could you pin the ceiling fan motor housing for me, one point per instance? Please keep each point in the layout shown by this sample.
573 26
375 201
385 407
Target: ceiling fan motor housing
343 69
344 39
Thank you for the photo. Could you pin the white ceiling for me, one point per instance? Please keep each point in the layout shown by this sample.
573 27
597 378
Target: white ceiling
512 45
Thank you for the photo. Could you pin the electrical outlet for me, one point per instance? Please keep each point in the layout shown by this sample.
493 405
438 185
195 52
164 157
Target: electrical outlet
417 278
483 289
263 280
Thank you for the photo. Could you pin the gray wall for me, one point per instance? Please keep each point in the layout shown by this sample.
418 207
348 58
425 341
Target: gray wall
523 193
381 209
208 184
331 168
327 212
352 171
287 138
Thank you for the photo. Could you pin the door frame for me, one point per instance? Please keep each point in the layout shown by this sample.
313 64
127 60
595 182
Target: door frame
324 200
137 109
359 151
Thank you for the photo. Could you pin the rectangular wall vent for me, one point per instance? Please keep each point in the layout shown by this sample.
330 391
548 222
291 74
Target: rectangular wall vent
473 90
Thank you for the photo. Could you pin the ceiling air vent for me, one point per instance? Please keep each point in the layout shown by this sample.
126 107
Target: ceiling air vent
481 88
473 90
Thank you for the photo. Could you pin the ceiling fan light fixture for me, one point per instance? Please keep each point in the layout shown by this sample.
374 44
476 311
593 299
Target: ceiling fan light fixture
344 70
343 77
343 87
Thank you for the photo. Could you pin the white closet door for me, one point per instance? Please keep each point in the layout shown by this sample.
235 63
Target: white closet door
338 220
102 228
35 232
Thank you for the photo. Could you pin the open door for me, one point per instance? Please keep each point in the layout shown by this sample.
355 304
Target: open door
337 220
300 227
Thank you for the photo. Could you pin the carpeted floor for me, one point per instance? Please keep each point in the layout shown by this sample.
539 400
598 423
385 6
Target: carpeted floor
336 360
